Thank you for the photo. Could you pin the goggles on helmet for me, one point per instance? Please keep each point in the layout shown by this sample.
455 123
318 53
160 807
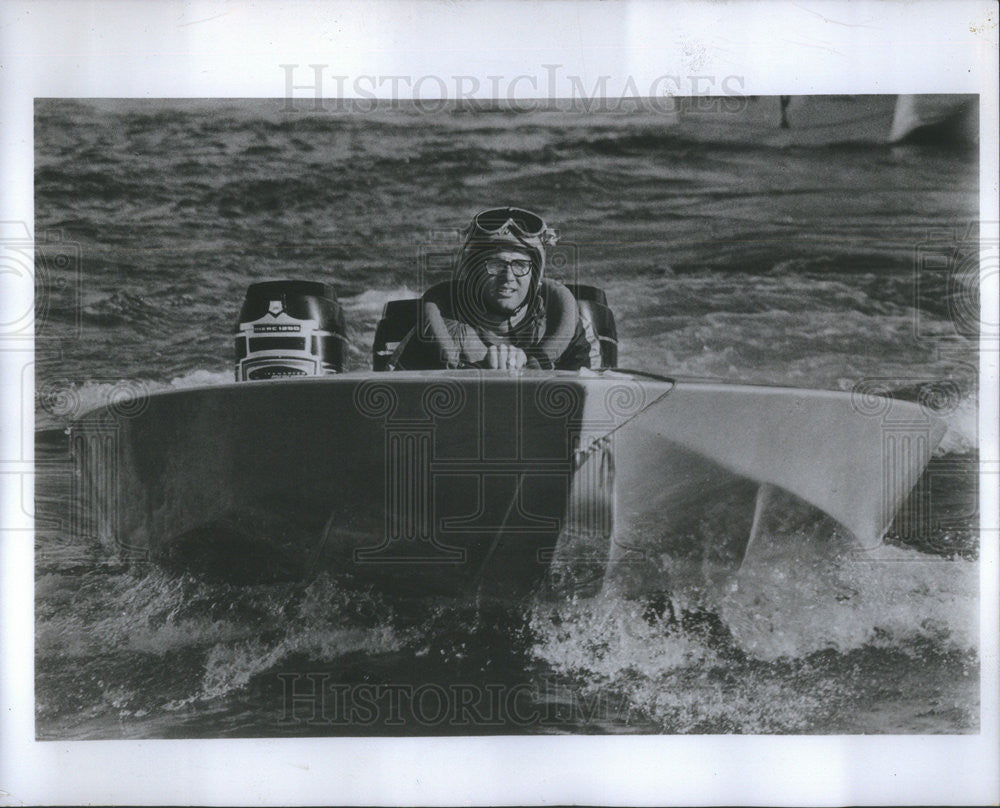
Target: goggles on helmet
521 222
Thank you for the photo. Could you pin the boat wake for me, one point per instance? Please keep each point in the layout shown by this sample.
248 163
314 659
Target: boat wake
807 636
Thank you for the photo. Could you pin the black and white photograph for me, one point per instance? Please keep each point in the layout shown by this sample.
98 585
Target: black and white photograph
500 409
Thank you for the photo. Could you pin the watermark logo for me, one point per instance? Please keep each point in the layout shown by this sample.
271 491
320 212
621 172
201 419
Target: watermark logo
908 412
951 269
47 268
314 87
94 442
316 700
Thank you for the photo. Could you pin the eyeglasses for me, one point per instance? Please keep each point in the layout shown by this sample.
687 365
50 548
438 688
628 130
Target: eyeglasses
496 220
519 266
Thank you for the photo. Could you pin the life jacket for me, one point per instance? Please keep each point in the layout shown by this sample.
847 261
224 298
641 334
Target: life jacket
552 333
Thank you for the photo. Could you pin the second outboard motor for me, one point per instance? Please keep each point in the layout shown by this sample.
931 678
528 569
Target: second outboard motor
289 328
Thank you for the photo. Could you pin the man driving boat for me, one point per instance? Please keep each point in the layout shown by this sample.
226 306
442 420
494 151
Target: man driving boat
500 311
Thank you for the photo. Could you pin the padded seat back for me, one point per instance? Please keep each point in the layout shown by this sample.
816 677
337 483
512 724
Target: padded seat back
593 304
398 318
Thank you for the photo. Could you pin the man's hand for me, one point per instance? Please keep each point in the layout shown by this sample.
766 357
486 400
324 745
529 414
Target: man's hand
505 357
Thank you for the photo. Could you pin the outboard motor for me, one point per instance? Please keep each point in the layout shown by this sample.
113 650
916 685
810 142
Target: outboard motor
289 328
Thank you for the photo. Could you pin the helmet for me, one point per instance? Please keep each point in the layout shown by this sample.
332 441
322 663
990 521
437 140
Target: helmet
493 230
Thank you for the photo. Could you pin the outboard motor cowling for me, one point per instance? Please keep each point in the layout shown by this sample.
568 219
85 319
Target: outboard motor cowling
289 328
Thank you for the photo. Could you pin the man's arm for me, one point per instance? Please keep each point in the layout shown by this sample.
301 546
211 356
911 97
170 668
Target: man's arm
455 343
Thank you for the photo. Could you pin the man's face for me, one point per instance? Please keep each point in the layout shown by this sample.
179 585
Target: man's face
504 290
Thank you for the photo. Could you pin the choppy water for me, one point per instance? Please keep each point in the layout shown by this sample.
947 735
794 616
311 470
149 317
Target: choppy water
723 254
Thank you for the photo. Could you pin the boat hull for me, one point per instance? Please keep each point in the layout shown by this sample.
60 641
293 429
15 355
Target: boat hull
472 481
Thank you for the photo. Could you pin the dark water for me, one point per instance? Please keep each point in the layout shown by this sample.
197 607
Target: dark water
723 254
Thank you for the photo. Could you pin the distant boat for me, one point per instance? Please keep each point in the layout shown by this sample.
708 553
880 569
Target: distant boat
826 120
947 120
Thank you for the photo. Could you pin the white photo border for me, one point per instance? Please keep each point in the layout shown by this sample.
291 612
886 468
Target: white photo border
226 48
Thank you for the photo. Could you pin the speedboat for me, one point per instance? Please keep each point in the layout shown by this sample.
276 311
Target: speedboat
472 480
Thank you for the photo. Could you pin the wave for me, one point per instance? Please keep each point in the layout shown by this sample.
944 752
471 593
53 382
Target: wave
801 636
373 301
59 402
797 638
